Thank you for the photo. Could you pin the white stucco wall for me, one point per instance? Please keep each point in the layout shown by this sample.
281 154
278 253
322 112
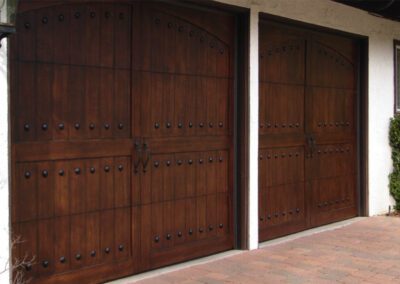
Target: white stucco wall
381 33
4 163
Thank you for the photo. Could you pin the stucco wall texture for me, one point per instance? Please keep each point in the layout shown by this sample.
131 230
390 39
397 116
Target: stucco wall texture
324 13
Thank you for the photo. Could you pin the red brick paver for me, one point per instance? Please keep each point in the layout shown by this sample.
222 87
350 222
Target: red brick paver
367 251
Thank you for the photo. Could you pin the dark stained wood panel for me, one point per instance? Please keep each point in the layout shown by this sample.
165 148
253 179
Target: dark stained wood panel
307 157
122 137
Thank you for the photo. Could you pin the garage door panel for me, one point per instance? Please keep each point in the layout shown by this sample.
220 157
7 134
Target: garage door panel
283 108
332 110
122 134
307 79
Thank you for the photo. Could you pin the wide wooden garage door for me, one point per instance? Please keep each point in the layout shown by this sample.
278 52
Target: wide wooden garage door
121 137
308 126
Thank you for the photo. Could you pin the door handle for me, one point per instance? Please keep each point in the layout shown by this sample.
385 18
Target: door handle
147 156
138 150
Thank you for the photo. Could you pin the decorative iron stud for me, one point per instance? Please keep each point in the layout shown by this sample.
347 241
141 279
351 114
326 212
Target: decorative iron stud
156 164
107 250
92 170
27 127
78 256
190 124
120 126
107 169
77 126
61 172
210 159
121 247
190 231
201 124
168 237
45 126
92 14
45 263
61 18
107 15
211 125
45 20
77 15
210 228
156 125
221 225
261 219
201 230
190 162
179 234
61 126
168 163
93 253
221 159
27 175
201 161
62 259
180 125
297 210
106 126
221 124
77 171
92 126
27 26
120 168
157 21
45 173
168 124
156 239
179 162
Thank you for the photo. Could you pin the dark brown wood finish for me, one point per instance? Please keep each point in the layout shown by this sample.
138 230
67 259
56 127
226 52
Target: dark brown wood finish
308 128
122 137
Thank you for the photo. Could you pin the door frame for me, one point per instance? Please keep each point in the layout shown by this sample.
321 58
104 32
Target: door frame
362 102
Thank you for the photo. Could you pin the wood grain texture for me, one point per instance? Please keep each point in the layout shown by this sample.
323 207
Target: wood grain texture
122 137
307 160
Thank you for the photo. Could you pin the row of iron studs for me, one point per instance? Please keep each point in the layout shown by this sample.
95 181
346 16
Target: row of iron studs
168 125
77 126
78 171
190 162
78 257
283 214
168 236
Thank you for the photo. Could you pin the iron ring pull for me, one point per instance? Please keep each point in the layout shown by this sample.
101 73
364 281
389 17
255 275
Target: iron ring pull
138 150
146 160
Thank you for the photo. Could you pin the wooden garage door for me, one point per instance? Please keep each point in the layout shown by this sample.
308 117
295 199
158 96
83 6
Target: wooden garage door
121 138
308 91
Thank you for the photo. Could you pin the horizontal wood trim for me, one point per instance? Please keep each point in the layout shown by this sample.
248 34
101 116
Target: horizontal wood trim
190 144
43 151
184 253
94 274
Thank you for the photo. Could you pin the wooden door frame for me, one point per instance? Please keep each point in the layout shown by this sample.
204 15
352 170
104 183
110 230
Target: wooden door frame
362 102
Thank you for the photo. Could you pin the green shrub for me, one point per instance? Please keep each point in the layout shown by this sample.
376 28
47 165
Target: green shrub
394 177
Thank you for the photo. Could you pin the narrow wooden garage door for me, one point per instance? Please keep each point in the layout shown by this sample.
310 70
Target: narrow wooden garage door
121 138
308 91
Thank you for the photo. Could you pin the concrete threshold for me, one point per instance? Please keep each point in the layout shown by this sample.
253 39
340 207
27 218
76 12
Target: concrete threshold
219 256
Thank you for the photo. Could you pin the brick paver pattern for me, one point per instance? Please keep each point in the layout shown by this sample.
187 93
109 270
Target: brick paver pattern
367 251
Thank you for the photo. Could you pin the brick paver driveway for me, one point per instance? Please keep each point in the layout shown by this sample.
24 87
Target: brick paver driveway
367 251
